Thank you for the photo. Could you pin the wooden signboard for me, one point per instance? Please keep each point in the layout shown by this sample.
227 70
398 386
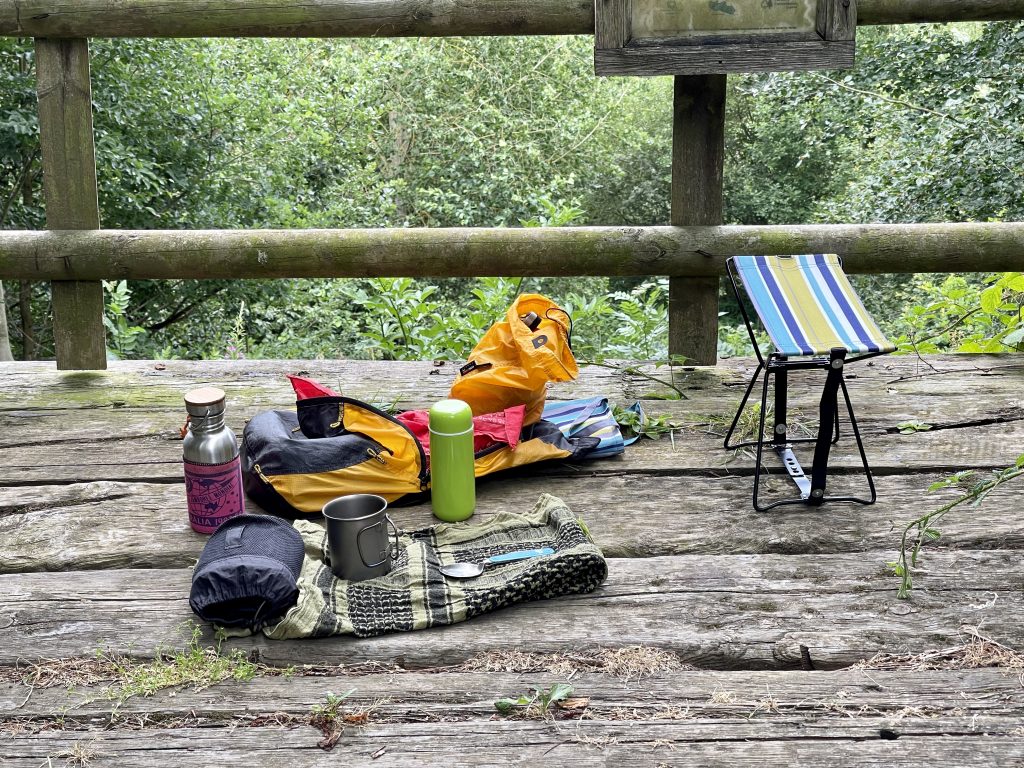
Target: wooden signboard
689 37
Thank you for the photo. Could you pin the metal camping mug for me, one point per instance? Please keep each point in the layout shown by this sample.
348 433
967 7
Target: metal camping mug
357 536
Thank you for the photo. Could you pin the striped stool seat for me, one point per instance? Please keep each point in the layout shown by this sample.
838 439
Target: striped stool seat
807 305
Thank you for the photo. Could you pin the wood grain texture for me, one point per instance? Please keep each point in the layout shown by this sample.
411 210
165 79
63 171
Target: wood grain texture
992 446
718 612
677 251
828 704
693 571
123 424
106 525
937 11
837 19
655 60
293 18
329 18
612 23
520 744
35 389
69 181
698 156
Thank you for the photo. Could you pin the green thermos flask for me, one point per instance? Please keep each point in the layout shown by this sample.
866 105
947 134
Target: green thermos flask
452 482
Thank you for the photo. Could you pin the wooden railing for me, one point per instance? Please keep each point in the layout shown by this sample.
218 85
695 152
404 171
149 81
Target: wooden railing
387 18
78 255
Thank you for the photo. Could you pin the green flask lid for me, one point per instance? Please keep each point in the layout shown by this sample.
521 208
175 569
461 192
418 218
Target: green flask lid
451 417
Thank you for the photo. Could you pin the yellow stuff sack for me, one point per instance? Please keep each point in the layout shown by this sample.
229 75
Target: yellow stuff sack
516 359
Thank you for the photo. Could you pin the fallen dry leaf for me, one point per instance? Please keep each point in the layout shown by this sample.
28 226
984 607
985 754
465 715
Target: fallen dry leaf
578 703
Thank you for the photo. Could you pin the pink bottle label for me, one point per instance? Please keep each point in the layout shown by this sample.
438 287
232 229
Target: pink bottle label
214 493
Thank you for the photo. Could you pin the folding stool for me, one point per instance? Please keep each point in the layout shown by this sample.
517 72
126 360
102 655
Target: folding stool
811 313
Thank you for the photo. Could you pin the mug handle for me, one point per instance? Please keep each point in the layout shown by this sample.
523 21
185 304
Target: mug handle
394 529
394 551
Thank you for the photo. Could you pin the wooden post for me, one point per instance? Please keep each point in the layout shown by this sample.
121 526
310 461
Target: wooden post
69 181
698 149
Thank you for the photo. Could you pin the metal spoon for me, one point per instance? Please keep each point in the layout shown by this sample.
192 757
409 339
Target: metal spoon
472 570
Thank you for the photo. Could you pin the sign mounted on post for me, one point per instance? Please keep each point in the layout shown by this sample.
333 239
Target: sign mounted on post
690 37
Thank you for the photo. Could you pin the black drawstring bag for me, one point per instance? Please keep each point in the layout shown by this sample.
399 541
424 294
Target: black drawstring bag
247 575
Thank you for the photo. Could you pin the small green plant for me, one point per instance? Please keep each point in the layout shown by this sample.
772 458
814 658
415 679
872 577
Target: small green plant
331 719
642 321
921 530
238 342
194 665
654 427
734 341
400 318
912 426
537 702
330 711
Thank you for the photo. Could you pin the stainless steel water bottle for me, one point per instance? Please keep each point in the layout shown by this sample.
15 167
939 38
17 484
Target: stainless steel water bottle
452 474
213 472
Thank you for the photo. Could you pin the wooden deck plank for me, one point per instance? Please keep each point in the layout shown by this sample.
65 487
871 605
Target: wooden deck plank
123 424
865 698
723 611
990 446
584 744
261 384
59 426
143 525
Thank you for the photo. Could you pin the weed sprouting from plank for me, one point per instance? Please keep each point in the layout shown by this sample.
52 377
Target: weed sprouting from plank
332 717
536 704
329 717
653 427
922 530
80 754
194 666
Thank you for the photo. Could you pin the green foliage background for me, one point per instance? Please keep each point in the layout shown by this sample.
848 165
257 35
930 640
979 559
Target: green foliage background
505 132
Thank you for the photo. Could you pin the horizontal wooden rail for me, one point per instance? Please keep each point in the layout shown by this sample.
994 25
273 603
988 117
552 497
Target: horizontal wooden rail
386 18
676 251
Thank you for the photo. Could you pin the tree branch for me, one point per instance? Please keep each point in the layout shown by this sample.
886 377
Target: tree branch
25 168
182 311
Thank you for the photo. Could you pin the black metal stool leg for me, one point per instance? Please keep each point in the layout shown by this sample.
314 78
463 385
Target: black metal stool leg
739 411
827 419
760 439
860 446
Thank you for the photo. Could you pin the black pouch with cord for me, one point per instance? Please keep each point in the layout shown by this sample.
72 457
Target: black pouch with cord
247 575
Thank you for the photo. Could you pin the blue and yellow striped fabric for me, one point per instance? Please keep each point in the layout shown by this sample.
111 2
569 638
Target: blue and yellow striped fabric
808 306
591 417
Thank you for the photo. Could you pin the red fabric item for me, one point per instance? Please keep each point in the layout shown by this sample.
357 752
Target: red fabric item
489 429
307 388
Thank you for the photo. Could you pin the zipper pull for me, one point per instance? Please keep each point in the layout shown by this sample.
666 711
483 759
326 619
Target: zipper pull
259 474
377 455
341 416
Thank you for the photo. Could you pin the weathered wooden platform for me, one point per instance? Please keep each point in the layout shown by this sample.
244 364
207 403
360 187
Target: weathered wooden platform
721 637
